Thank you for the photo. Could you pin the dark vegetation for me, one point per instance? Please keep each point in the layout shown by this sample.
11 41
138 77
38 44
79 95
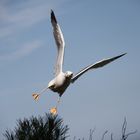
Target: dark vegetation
51 127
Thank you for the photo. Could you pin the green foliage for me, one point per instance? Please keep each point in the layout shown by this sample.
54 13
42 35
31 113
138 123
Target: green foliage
49 127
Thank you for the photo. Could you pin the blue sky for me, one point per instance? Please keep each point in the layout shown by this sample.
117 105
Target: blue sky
93 30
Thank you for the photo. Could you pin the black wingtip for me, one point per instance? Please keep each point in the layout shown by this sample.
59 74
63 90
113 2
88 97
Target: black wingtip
122 54
53 18
119 56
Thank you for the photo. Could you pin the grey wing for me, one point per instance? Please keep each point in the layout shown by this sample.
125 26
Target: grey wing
94 66
59 39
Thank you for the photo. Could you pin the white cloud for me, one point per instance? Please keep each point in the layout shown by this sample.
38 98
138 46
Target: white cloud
24 50
15 19
17 16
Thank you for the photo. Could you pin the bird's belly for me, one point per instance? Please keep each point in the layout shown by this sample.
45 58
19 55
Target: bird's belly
61 86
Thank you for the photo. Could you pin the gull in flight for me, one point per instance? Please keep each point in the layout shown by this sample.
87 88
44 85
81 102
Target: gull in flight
62 79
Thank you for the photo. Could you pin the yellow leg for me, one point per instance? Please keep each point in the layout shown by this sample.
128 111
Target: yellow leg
58 101
53 110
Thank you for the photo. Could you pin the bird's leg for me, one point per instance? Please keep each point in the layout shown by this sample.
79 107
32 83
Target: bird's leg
43 90
58 101
36 95
54 109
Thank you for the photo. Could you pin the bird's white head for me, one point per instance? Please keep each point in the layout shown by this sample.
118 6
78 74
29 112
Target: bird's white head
69 74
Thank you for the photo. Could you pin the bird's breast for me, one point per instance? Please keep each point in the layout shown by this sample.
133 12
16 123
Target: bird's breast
61 84
60 80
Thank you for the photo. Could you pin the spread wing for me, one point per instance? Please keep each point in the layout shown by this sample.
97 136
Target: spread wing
59 39
94 66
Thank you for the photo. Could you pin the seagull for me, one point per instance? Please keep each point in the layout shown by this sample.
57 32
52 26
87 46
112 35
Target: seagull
62 80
